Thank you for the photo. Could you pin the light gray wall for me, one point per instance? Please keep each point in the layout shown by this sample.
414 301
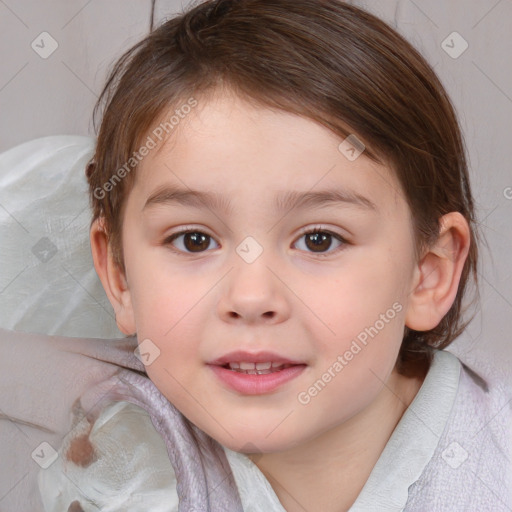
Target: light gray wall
56 95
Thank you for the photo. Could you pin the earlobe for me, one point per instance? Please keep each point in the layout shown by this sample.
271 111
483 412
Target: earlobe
112 278
438 274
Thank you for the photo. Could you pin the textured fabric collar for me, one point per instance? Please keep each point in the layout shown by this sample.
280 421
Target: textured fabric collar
414 439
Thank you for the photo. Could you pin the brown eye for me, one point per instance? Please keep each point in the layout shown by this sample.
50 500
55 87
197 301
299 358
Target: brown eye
319 242
190 241
196 241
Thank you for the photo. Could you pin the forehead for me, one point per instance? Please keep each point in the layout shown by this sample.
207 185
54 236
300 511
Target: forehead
225 145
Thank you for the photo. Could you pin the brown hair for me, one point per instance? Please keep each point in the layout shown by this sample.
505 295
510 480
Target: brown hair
323 59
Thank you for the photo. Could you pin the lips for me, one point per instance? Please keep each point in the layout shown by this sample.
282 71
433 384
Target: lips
255 373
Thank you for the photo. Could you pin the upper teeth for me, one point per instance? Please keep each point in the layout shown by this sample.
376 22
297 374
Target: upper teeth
255 366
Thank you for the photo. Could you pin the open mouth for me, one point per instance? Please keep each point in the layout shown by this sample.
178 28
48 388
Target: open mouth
255 373
256 368
256 378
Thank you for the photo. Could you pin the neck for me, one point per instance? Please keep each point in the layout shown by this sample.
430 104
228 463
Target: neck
328 472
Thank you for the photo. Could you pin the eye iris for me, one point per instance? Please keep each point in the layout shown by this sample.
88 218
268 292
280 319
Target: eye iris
318 240
196 242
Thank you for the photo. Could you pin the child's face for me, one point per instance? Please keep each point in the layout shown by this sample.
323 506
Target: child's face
304 298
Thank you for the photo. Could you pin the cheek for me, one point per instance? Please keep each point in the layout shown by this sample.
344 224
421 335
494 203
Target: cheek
177 338
359 293
364 308
162 298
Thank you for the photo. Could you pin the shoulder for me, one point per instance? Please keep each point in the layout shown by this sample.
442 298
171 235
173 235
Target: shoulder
479 397
481 418
483 399
471 466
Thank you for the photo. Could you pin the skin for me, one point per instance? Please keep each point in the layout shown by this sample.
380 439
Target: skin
304 304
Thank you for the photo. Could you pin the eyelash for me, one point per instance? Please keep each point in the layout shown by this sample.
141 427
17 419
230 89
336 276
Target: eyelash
317 229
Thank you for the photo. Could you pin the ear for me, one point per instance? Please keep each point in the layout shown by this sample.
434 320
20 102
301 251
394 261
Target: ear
437 276
112 278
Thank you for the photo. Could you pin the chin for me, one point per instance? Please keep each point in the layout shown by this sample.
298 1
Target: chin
257 442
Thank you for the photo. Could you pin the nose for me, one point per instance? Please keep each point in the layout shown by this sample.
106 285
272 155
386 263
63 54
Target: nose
253 293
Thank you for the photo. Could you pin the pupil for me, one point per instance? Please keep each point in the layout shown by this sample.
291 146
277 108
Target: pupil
318 240
198 242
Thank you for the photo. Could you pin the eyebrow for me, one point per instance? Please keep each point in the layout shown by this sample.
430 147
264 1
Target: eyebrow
284 201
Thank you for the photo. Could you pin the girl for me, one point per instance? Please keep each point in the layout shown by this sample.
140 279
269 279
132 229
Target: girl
284 225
